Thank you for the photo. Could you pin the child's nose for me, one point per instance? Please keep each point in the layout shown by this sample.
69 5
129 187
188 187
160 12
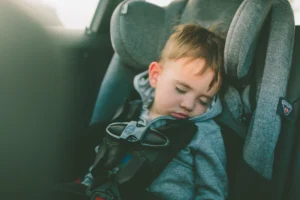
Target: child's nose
188 104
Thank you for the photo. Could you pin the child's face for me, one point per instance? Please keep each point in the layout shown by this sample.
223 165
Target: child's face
180 91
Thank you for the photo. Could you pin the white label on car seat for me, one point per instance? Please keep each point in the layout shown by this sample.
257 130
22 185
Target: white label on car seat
287 107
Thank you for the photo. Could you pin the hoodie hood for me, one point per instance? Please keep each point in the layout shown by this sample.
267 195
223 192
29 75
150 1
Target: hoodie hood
143 87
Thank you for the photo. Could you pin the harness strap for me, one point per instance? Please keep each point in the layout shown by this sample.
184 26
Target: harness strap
151 149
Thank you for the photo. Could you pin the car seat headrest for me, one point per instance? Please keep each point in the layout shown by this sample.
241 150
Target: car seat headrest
139 30
242 39
208 13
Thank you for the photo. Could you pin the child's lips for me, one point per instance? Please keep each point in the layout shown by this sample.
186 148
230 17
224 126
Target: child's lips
179 115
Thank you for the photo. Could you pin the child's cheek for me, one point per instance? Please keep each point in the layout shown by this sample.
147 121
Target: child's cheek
166 98
169 100
200 110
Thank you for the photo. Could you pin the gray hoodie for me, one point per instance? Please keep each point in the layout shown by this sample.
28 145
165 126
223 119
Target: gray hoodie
199 170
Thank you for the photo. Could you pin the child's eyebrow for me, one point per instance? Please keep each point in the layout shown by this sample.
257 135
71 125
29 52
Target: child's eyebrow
184 84
187 86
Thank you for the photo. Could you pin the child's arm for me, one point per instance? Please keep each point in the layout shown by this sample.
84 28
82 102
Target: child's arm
210 165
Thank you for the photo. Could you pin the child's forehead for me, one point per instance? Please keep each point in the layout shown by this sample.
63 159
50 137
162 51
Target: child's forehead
188 66
190 71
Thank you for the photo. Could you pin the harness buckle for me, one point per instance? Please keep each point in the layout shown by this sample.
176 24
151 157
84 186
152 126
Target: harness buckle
133 131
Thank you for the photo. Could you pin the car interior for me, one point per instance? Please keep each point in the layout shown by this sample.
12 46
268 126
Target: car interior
57 82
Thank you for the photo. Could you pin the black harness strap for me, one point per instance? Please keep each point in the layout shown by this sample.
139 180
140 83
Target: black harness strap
151 149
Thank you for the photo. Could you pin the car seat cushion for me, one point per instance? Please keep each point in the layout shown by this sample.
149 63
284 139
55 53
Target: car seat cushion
140 29
266 124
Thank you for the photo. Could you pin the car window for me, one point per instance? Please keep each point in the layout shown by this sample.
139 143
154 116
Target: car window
160 2
296 7
65 13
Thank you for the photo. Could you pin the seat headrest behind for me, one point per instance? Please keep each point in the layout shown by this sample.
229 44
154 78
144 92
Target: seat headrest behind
136 32
139 30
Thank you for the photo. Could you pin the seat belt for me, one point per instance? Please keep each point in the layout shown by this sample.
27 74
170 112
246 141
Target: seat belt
150 150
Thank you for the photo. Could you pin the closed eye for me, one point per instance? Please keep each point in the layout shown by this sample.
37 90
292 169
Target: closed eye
203 103
180 91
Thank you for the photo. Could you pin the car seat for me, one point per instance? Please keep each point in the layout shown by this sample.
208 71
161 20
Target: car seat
253 64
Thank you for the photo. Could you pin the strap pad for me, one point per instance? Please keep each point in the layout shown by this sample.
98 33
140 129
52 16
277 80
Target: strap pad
150 151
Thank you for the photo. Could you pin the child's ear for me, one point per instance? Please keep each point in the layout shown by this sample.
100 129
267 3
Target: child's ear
154 71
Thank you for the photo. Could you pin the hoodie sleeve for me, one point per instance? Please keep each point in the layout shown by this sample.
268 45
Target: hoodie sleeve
210 164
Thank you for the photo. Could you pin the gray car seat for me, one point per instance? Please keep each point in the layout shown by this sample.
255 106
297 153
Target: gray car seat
257 72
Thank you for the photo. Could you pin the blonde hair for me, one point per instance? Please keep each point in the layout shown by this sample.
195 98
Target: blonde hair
194 42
